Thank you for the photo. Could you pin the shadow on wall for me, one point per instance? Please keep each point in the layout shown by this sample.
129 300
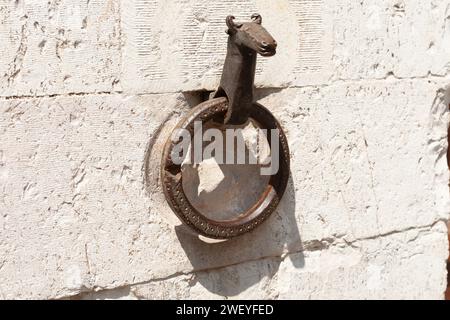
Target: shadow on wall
243 262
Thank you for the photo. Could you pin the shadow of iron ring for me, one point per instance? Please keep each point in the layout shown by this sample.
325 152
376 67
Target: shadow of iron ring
229 268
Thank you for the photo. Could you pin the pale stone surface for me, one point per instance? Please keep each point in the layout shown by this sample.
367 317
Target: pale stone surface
409 38
221 190
81 209
369 269
59 46
191 55
319 41
359 140
71 167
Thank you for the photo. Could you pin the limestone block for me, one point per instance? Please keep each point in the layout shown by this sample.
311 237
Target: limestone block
238 186
367 159
63 46
190 56
373 39
73 202
77 212
388 267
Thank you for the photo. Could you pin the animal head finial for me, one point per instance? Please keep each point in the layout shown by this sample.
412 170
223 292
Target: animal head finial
252 35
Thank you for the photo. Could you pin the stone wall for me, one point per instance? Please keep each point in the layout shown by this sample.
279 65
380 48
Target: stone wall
86 88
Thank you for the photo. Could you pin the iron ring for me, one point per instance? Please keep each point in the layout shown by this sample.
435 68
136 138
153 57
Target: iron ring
171 177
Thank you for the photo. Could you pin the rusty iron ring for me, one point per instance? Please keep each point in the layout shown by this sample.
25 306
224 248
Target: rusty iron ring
171 177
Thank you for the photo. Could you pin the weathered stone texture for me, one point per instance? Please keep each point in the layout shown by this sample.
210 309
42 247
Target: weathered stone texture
373 39
76 208
89 90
